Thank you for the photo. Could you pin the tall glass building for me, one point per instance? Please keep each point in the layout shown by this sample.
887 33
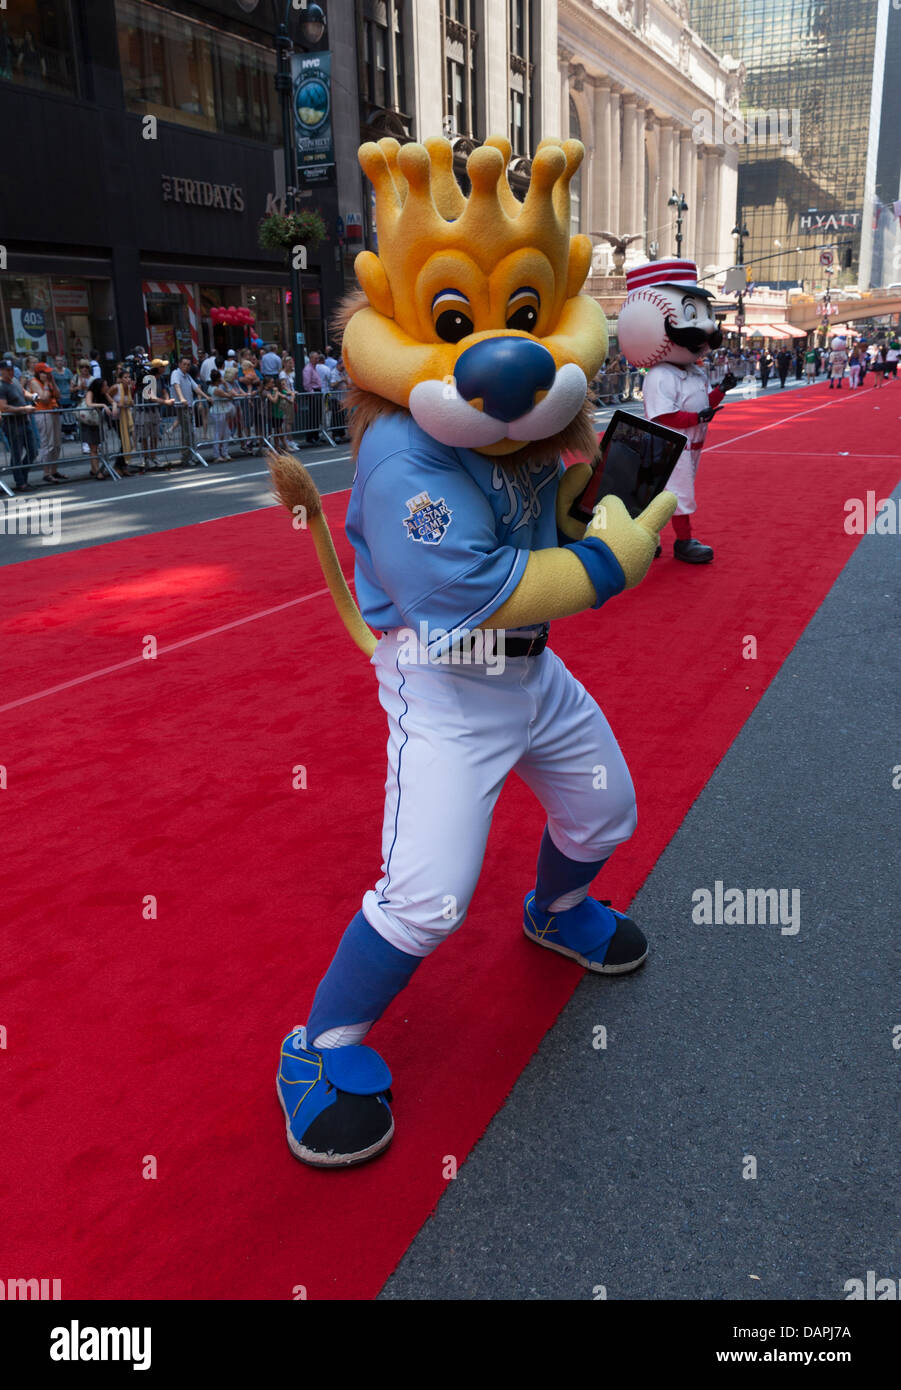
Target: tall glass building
822 83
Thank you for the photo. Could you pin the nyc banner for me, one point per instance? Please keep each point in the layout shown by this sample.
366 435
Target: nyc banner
311 74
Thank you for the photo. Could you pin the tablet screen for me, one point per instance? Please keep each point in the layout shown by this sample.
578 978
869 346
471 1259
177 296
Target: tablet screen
634 462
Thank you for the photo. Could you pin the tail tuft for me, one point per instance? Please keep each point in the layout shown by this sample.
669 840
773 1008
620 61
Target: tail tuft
293 486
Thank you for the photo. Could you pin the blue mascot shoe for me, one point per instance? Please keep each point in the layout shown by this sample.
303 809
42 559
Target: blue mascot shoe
591 933
335 1102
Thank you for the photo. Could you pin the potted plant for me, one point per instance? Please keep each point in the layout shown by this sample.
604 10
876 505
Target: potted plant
282 231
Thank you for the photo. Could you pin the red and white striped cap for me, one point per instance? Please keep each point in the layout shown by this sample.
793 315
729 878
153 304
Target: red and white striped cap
680 273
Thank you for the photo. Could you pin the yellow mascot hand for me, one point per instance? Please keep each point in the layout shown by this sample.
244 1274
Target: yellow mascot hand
632 542
572 483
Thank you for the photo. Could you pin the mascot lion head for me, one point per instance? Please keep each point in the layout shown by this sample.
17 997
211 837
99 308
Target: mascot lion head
470 315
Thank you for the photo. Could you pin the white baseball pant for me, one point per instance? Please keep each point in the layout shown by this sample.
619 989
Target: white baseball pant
682 481
454 733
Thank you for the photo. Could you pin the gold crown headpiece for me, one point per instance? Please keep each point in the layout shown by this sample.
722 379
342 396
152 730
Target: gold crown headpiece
421 209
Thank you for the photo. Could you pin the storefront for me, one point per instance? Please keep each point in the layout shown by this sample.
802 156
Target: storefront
51 315
104 255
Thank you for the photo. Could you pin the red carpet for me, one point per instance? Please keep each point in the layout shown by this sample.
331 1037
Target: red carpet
133 1039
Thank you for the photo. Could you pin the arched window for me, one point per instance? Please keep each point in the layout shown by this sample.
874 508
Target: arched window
575 187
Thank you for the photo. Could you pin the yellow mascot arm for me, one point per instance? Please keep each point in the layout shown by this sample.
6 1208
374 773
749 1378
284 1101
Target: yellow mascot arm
556 583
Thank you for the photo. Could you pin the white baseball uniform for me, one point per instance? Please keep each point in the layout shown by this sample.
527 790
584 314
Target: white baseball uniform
669 388
442 537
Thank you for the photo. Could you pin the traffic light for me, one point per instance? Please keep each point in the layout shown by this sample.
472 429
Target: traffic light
846 258
749 274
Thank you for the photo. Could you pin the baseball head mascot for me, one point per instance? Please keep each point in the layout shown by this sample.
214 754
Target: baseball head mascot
838 361
666 325
470 349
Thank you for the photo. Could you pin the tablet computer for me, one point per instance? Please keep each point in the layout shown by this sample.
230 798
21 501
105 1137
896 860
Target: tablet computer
634 461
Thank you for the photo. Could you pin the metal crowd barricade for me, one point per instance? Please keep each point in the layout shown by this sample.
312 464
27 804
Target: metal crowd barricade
305 417
155 434
40 439
161 430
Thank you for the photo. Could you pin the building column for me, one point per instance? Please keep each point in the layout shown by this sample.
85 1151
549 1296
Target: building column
727 203
666 143
712 164
629 167
614 163
565 58
686 185
641 190
601 161
652 141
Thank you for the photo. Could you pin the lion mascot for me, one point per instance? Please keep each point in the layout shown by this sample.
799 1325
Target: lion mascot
469 347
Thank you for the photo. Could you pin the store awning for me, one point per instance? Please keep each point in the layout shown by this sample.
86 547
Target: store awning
763 330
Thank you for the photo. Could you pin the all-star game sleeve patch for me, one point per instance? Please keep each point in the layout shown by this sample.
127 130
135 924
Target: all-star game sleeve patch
428 521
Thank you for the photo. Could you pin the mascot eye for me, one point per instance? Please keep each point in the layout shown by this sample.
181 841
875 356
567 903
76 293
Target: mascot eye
451 325
689 310
453 320
522 310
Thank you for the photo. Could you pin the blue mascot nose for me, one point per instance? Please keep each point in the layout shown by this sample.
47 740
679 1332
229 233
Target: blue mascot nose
506 373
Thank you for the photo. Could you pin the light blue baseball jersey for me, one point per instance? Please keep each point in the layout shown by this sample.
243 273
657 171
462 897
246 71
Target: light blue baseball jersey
442 535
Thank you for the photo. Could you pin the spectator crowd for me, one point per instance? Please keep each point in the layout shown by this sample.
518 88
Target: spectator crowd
618 381
147 414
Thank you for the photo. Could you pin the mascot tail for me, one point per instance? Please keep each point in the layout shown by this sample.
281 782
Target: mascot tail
294 488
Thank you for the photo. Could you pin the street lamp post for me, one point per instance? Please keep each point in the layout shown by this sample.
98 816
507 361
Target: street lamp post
740 231
678 202
284 87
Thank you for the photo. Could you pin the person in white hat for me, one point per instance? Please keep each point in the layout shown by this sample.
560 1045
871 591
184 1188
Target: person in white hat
666 325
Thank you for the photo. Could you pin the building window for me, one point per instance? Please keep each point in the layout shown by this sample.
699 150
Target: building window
50 315
191 74
520 73
382 54
460 80
36 45
575 183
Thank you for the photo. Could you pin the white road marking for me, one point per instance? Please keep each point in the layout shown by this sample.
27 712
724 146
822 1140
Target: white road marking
161 651
182 486
783 420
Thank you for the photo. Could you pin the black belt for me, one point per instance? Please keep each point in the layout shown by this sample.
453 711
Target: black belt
524 646
514 646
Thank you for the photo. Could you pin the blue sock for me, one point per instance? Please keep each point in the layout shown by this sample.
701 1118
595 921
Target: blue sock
365 975
558 875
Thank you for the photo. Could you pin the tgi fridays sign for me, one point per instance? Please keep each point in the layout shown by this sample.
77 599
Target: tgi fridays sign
225 197
814 221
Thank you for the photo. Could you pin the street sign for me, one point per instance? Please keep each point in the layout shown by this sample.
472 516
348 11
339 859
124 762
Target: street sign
735 280
827 257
